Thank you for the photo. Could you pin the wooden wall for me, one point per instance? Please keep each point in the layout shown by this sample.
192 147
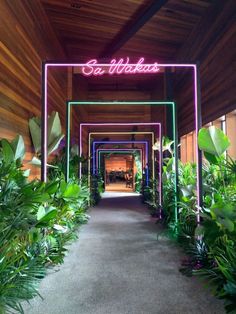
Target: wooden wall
117 164
26 40
79 113
213 44
109 113
158 113
230 131
119 113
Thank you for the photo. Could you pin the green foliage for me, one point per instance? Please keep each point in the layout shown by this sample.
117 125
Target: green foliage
168 179
166 145
210 246
13 151
138 175
54 135
221 275
37 220
150 196
212 141
59 164
138 182
96 189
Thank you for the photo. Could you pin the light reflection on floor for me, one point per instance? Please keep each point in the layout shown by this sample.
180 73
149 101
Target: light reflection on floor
118 187
126 192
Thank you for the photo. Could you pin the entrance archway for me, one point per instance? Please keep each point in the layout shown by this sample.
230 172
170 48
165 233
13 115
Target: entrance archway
196 83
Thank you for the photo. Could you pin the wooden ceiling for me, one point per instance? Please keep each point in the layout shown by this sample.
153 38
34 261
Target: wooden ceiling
163 31
156 29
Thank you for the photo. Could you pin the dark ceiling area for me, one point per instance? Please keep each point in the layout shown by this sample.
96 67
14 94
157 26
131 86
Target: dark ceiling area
159 30
98 29
74 31
162 31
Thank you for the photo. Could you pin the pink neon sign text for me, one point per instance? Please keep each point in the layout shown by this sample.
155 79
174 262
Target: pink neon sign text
120 66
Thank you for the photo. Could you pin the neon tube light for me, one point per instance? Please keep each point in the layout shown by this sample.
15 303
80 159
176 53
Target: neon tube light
159 134
120 66
196 83
156 103
118 151
127 133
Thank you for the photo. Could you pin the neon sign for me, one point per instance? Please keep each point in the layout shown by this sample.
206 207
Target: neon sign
120 66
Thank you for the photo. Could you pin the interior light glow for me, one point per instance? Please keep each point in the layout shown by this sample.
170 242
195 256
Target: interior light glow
127 133
117 151
123 142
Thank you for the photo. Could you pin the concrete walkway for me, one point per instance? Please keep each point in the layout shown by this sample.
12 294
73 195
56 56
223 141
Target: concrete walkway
118 267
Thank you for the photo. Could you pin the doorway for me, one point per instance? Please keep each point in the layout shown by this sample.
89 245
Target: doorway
119 173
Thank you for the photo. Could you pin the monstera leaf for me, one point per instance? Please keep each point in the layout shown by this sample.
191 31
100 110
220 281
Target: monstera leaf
213 141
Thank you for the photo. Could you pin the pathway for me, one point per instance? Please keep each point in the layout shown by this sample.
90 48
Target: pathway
118 187
118 267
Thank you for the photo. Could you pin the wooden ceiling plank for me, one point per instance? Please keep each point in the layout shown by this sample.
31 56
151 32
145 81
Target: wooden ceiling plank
130 29
199 31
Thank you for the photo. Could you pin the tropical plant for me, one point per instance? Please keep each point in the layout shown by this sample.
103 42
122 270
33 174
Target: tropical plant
217 230
54 135
213 142
211 245
167 145
138 175
96 189
59 164
36 222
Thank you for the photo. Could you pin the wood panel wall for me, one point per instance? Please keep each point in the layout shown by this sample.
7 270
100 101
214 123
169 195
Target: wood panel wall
80 113
117 113
158 113
213 44
230 131
116 164
26 39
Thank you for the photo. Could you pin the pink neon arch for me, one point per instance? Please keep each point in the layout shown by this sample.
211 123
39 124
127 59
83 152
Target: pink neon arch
47 65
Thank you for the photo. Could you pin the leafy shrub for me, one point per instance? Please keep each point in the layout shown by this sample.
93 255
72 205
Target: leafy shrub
211 245
96 189
37 220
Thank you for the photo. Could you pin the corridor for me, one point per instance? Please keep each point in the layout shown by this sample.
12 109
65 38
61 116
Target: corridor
119 267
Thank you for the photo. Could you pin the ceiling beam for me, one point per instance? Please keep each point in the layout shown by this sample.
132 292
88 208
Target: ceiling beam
132 28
